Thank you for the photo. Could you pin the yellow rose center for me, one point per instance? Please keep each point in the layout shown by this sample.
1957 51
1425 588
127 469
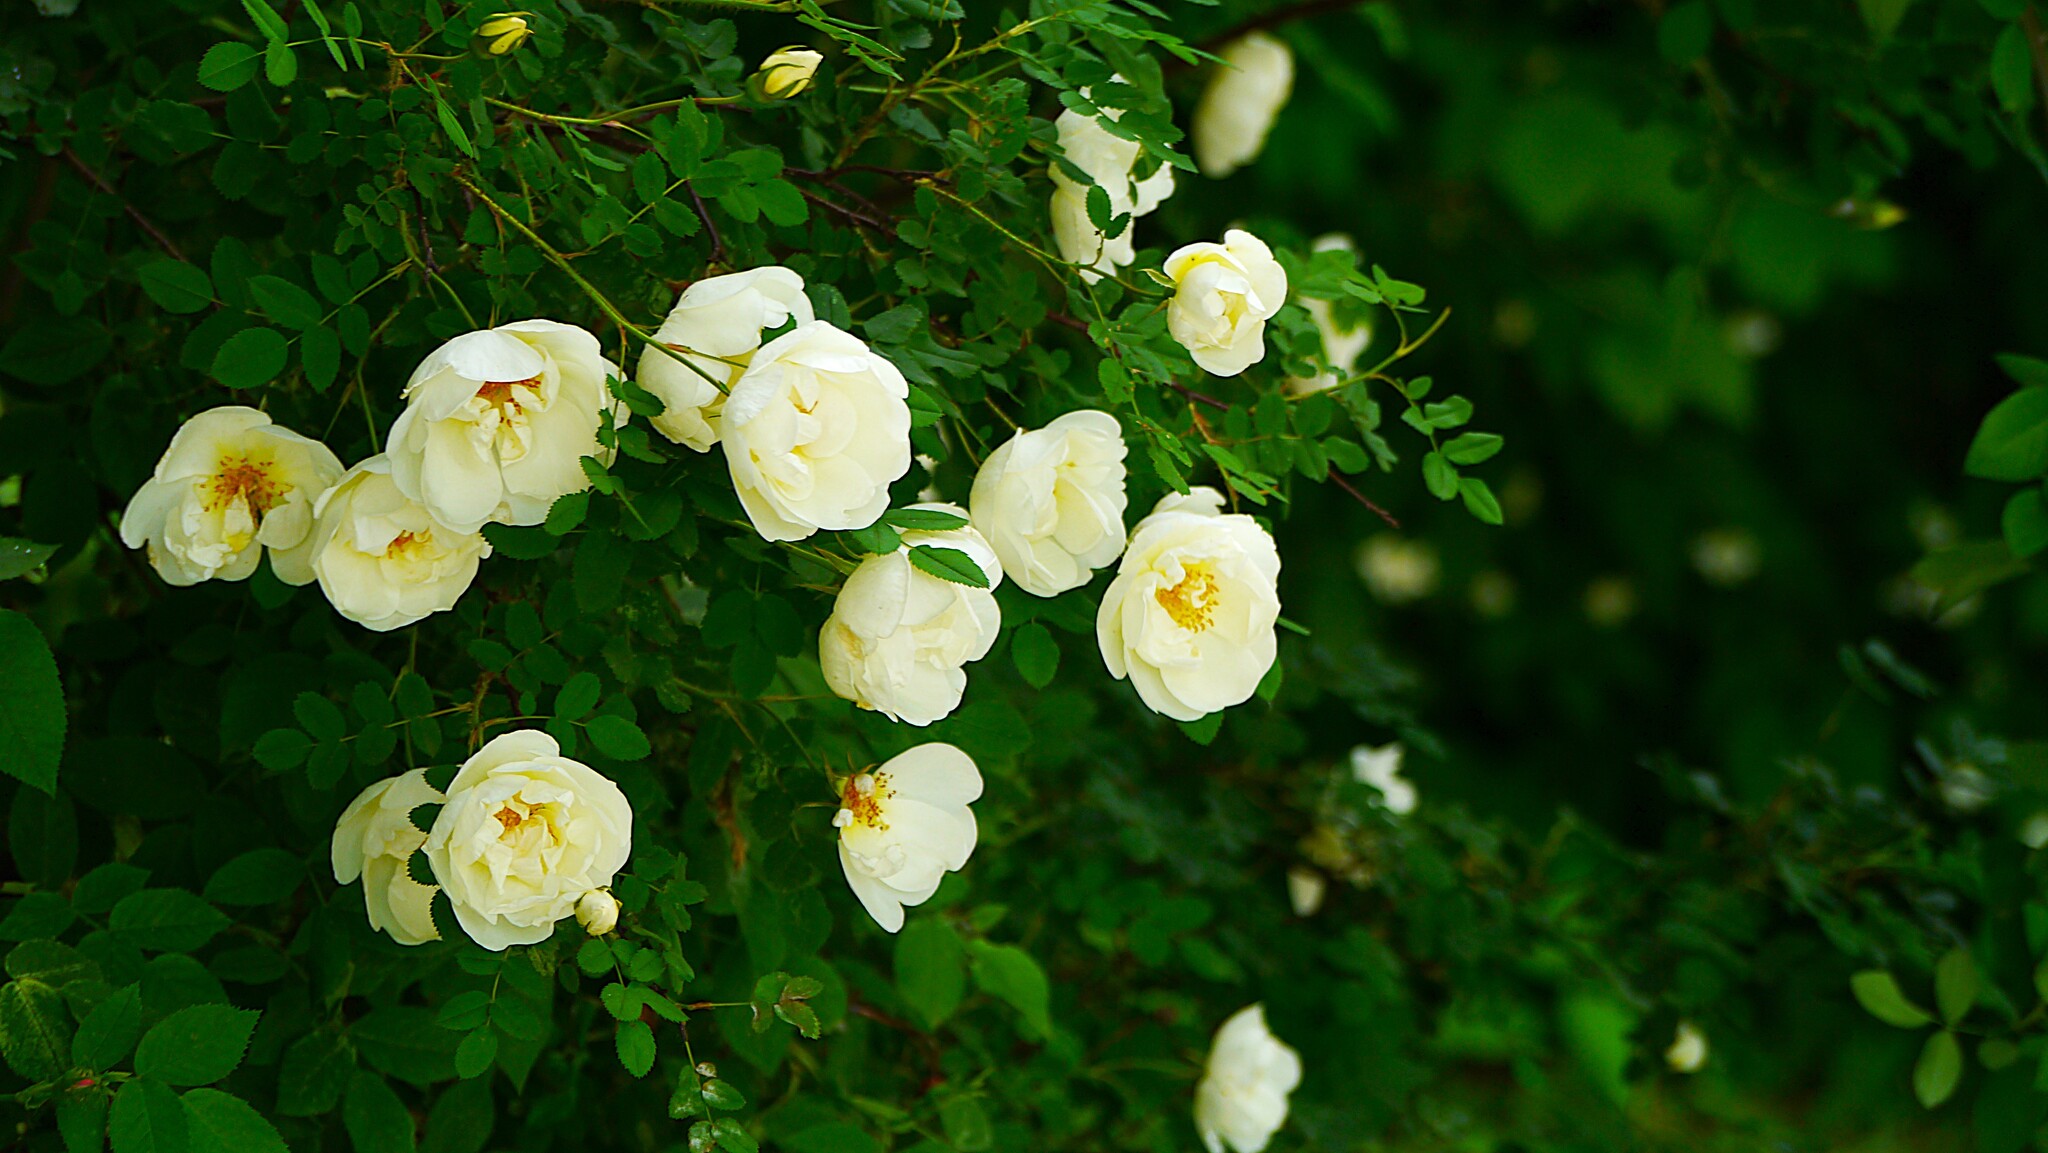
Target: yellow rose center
499 392
860 800
247 478
1192 602
406 545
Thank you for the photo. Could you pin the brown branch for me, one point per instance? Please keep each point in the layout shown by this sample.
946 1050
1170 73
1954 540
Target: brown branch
1203 397
141 221
853 214
704 214
1062 319
1361 498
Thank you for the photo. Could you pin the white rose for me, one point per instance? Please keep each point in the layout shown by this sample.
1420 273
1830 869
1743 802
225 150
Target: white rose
904 826
1305 890
381 558
1342 343
1224 294
1381 768
1108 160
1189 618
815 430
230 485
787 72
1242 1100
498 421
526 833
722 319
598 912
1051 501
899 639
374 839
1244 97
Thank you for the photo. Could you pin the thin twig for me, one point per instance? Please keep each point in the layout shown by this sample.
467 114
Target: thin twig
704 214
1203 397
141 221
1338 479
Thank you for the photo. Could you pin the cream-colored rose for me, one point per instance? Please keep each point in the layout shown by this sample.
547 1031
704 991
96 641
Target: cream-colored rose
526 833
497 423
230 485
1381 768
381 558
899 639
904 826
598 912
1189 618
1109 161
815 430
787 72
1305 890
1051 501
374 839
1342 343
1242 1099
1223 296
719 321
1243 99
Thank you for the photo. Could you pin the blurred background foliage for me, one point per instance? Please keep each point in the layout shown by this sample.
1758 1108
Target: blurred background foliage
1691 739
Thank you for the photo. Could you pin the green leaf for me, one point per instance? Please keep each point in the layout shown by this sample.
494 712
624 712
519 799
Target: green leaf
32 717
251 357
967 1125
285 302
148 1118
567 513
228 65
931 969
1686 32
2025 522
1878 992
1013 976
1956 983
2027 370
2012 444
474 1056
1882 17
1479 499
635 1044
452 126
315 1071
1939 1068
108 1033
166 920
1441 478
1036 653
282 749
376 1120
224 1123
1472 448
280 63
20 557
949 564
618 738
922 519
2012 70
1967 569
175 285
32 1029
257 877
578 696
196 1046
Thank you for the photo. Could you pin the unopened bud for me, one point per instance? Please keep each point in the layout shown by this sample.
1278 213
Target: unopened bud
505 31
787 72
598 912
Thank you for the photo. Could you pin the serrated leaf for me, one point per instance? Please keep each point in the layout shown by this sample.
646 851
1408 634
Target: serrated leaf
228 65
197 1045
949 564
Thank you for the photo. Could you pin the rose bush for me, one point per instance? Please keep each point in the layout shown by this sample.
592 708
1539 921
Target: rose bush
753 576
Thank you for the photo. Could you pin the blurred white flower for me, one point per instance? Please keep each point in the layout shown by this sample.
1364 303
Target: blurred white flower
1242 1099
1305 889
230 485
1381 768
1244 97
1223 296
899 639
719 321
904 826
1398 570
1727 556
1189 618
1342 343
497 423
1688 1051
1965 788
1051 501
374 839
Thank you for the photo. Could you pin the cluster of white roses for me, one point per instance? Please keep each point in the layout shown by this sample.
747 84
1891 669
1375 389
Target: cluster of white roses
525 838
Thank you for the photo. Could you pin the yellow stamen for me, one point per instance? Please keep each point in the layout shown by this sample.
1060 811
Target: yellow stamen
248 479
1192 602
